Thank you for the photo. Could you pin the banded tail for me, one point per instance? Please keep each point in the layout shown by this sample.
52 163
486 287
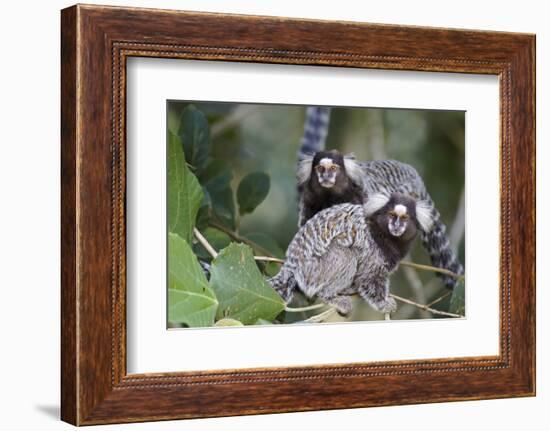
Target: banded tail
315 131
436 243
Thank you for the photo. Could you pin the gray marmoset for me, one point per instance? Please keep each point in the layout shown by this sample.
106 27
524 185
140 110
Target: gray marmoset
375 176
350 248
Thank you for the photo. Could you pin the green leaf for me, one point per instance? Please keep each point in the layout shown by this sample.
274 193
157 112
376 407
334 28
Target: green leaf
223 206
190 299
252 191
241 289
216 238
457 304
205 211
228 322
217 175
216 179
194 133
184 192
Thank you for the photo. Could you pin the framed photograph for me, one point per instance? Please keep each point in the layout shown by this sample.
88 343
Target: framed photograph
329 214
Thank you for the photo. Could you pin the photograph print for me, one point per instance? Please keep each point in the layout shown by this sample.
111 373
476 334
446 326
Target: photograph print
288 214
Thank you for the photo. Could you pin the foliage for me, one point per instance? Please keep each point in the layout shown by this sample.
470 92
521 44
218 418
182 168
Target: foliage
191 300
184 192
241 289
200 194
231 176
252 191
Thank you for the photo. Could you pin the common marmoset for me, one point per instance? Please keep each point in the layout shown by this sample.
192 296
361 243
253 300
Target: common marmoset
350 248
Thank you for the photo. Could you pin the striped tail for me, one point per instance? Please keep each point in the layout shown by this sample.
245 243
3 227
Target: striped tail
315 131
439 248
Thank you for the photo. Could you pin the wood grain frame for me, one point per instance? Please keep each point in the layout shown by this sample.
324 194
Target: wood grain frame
95 44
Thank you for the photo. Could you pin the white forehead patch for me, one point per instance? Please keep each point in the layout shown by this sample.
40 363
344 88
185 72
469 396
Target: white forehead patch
400 210
326 162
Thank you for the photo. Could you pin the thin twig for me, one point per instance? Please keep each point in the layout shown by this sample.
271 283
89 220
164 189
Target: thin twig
442 297
205 243
306 308
425 307
319 317
269 259
431 268
239 238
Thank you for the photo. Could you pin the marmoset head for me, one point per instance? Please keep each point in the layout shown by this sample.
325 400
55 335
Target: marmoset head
329 170
399 215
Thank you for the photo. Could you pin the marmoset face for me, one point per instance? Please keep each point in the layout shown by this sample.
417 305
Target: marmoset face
398 220
327 171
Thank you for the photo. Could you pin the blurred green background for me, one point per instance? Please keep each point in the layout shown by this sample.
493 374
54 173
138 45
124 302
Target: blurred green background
262 137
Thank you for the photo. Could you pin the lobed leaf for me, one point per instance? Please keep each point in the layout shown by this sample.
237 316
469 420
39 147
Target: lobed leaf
190 299
184 192
242 291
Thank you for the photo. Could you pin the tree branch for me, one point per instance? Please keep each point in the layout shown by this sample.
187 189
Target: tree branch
306 308
319 317
239 238
205 243
442 297
269 259
431 268
425 307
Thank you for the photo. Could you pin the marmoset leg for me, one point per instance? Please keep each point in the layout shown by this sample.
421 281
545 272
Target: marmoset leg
376 291
326 277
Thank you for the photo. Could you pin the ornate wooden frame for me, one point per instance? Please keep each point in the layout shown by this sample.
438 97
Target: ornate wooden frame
95 43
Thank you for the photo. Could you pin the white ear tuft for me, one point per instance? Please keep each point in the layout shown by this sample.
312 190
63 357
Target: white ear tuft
374 203
353 169
303 172
424 215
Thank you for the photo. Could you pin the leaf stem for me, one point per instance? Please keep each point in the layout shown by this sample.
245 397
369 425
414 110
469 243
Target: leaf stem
306 308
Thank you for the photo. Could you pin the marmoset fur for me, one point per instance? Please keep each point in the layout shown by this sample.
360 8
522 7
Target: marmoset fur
349 248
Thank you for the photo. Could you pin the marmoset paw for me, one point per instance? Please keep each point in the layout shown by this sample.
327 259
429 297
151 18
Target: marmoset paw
342 304
388 306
